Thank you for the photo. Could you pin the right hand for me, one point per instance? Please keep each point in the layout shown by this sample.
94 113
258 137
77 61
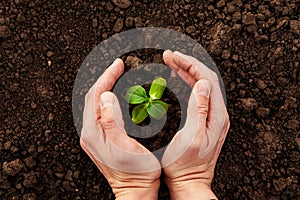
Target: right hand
191 156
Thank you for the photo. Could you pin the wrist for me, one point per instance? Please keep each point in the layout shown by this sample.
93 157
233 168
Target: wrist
138 192
190 190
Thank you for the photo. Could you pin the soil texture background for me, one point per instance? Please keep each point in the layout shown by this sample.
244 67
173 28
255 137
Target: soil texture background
254 43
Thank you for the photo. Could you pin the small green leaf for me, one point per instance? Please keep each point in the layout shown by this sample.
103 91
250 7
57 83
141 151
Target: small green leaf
157 109
136 95
157 88
139 113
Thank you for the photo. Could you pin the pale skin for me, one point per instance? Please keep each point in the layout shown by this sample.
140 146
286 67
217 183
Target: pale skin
188 162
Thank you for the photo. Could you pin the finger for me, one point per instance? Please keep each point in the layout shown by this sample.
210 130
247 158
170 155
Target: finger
217 130
106 82
113 125
200 70
109 77
113 147
111 114
180 66
217 120
217 123
186 70
195 124
198 105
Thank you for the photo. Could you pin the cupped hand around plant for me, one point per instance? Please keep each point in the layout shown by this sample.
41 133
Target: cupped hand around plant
131 170
191 156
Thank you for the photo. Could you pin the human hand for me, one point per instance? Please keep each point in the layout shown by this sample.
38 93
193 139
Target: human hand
191 156
131 170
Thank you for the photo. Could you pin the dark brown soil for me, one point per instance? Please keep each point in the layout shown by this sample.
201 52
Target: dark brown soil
43 43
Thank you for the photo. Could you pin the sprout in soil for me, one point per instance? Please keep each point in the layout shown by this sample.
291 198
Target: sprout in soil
147 105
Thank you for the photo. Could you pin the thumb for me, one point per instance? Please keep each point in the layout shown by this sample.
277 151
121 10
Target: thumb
198 104
111 114
196 120
121 152
112 124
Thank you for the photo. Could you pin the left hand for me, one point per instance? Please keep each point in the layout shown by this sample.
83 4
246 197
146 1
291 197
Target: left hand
190 158
132 171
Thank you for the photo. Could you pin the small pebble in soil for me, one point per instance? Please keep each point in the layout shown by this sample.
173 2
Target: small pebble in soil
4 32
262 112
122 3
13 167
249 18
29 162
29 196
281 183
30 179
190 29
249 104
133 61
118 25
129 22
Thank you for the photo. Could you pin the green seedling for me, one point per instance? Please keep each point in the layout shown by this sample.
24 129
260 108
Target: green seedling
147 105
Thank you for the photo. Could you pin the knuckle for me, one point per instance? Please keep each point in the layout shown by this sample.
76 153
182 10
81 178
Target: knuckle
203 110
108 121
202 105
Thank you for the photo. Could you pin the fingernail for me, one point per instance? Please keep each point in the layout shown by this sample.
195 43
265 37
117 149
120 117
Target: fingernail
203 88
106 100
168 51
115 60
